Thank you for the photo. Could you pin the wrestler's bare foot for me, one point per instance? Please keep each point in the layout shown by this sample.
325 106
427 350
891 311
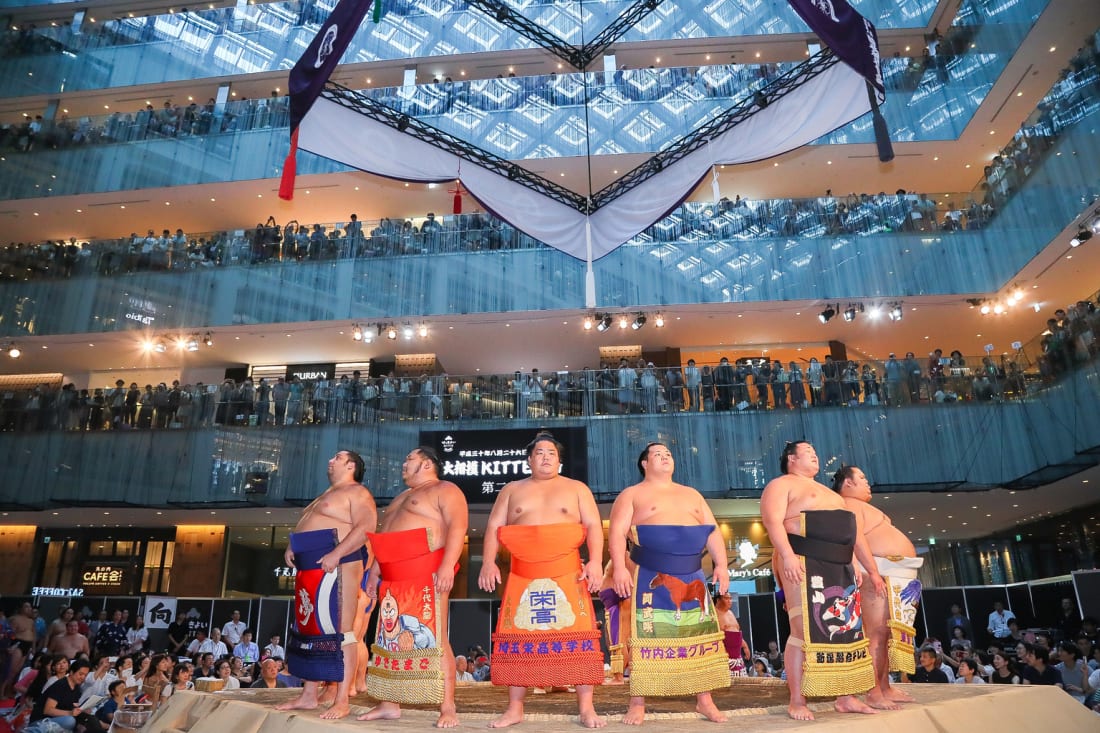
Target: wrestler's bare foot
880 702
616 679
705 706
513 715
448 718
382 711
635 714
338 710
852 704
328 694
590 719
799 711
306 701
895 695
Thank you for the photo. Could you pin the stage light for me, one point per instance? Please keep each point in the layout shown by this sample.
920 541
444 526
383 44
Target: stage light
14 352
998 309
638 322
193 342
659 321
604 323
1083 236
623 321
826 315
895 312
391 333
850 314
407 331
760 99
588 323
356 333
403 124
370 332
422 330
160 347
208 339
985 309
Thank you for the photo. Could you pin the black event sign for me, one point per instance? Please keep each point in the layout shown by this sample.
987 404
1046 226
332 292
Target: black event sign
481 462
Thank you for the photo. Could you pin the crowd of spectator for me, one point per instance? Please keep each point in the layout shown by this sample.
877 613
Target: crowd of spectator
117 664
638 387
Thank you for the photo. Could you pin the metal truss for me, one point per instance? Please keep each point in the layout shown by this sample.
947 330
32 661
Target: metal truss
433 136
579 57
735 115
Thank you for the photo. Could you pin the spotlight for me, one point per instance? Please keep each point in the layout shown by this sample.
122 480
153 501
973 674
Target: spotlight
208 339
407 331
998 309
422 330
193 342
588 323
403 123
896 312
391 333
985 309
1083 236
623 321
826 315
760 99
604 323
14 352
501 14
850 313
160 347
357 333
638 322
659 321
370 332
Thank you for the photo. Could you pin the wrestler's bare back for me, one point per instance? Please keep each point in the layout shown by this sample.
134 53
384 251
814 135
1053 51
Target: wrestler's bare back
884 539
419 508
548 501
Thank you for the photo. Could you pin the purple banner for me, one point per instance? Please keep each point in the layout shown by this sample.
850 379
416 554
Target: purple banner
850 36
320 59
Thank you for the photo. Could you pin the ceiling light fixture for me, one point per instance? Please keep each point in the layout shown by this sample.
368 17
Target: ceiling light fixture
604 322
356 333
659 321
588 323
193 343
623 321
407 331
422 330
391 332
896 312
160 347
639 321
208 339
1083 235
826 315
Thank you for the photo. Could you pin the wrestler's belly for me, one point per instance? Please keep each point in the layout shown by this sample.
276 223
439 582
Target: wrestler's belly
888 541
315 521
404 521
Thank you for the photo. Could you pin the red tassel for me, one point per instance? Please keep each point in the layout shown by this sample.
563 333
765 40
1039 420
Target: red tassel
458 203
290 169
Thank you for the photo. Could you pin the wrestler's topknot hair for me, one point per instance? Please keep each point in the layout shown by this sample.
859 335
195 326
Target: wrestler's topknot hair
429 454
843 474
360 465
789 450
547 436
645 456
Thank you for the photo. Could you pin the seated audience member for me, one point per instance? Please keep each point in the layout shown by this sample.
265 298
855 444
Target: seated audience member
760 668
969 672
285 676
462 671
1037 671
1004 671
181 679
59 702
481 669
269 675
1074 671
106 711
928 667
244 673
223 670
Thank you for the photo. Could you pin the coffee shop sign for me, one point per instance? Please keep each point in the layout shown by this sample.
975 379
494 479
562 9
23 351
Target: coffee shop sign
102 575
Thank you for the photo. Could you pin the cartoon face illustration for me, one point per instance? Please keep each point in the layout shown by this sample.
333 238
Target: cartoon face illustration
388 614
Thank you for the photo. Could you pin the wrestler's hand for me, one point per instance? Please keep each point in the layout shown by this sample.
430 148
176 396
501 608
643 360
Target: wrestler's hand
592 575
330 562
288 558
722 580
792 568
857 571
372 585
489 576
444 580
879 585
623 582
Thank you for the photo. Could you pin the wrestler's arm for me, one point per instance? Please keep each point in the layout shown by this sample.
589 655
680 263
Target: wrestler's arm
456 520
593 526
364 518
773 510
622 516
489 576
716 546
866 559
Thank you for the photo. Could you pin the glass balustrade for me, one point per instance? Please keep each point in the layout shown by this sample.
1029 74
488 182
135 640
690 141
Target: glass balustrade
271 37
1016 442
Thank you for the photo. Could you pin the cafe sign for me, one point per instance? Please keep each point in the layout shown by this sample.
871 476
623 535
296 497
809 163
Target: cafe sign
104 578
